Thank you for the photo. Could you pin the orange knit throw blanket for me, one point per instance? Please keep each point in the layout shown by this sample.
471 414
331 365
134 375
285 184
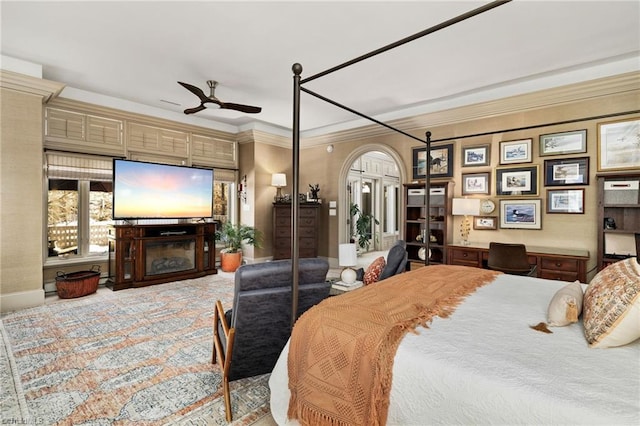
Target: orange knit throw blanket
341 351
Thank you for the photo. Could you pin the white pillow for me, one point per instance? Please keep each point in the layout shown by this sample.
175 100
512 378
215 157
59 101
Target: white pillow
565 306
612 305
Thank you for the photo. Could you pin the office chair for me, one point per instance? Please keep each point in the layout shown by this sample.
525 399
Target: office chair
510 259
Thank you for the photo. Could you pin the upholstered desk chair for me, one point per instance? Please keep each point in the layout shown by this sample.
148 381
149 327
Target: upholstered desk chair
248 339
510 259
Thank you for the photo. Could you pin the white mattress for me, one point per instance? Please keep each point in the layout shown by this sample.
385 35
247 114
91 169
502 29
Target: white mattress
484 365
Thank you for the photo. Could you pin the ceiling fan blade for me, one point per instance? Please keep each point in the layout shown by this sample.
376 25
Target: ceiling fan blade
194 110
242 108
195 90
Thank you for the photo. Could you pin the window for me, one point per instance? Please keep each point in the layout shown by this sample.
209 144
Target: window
79 190
224 200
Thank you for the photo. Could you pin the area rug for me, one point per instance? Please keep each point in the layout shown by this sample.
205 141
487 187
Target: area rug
137 356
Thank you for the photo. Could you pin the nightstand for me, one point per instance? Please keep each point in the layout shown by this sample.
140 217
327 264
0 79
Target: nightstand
339 287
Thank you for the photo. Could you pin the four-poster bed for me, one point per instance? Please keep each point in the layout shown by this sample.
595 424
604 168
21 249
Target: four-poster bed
297 88
526 376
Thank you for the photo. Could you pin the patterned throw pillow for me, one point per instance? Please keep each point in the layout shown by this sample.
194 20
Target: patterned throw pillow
374 270
611 308
566 305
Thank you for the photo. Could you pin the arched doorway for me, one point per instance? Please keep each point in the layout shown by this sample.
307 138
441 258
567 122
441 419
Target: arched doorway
370 185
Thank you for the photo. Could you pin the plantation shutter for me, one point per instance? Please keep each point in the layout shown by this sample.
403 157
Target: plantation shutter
62 165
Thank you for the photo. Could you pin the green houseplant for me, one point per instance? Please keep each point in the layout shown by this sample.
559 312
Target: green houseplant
234 236
362 226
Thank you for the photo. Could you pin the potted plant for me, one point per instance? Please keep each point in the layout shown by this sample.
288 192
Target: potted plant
362 226
234 236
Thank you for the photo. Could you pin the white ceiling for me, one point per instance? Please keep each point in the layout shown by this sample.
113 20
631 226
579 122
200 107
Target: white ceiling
130 55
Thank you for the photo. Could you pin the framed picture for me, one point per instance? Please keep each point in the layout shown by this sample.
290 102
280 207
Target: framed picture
475 183
485 222
619 145
520 214
517 181
565 201
568 171
476 155
563 143
515 151
440 161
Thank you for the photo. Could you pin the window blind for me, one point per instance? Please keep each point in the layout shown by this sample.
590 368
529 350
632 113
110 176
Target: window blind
224 175
62 165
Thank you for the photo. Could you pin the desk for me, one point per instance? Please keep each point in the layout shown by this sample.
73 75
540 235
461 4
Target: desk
553 263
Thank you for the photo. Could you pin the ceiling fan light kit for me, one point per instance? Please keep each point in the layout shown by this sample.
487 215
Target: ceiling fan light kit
211 102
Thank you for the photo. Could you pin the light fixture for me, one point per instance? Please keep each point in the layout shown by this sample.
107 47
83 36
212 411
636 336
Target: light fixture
279 180
465 207
365 188
348 257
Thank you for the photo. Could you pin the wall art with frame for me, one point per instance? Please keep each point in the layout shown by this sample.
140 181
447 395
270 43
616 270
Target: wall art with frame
475 183
440 161
517 181
566 171
619 145
520 214
565 201
476 155
485 222
563 143
512 152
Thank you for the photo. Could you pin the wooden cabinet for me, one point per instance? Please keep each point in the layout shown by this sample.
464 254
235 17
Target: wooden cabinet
141 255
552 263
416 226
618 216
307 230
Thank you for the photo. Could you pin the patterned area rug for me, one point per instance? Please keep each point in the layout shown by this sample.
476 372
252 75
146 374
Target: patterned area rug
137 356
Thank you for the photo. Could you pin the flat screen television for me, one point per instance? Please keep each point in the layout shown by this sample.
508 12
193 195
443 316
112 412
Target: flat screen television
144 190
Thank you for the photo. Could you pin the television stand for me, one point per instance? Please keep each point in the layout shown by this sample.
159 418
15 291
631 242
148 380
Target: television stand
142 255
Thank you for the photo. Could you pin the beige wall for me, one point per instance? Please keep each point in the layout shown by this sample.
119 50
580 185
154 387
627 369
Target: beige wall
260 155
558 230
21 202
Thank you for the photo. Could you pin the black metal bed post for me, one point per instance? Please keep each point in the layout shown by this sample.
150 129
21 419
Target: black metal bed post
427 199
295 201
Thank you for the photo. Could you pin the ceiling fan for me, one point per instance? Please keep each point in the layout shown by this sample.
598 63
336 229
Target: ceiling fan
211 99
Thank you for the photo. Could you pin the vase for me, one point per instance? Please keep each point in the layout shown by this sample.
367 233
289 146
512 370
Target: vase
229 262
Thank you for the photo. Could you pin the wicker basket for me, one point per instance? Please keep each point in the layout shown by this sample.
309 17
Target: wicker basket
77 284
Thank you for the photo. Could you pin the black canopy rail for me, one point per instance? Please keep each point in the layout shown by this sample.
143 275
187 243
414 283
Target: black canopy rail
297 88
537 126
410 38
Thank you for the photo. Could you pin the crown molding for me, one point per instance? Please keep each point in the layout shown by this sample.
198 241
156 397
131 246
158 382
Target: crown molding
262 137
578 92
46 89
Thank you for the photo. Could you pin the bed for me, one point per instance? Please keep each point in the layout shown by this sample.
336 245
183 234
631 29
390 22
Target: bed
485 364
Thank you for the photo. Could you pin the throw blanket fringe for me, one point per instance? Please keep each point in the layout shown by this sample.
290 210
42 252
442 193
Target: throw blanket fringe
341 352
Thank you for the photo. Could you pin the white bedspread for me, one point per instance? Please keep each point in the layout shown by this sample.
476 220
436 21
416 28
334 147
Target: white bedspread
484 365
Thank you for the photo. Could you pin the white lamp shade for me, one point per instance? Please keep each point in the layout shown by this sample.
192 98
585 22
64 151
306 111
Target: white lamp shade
465 207
347 255
278 180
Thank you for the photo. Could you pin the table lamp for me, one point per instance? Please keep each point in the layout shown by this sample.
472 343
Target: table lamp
348 257
465 207
279 180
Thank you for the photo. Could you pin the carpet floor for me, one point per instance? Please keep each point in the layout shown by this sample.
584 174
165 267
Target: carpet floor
138 356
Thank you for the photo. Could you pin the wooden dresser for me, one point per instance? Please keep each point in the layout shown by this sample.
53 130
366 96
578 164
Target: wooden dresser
308 225
553 263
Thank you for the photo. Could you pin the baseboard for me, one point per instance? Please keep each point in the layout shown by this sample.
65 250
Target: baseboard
21 300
